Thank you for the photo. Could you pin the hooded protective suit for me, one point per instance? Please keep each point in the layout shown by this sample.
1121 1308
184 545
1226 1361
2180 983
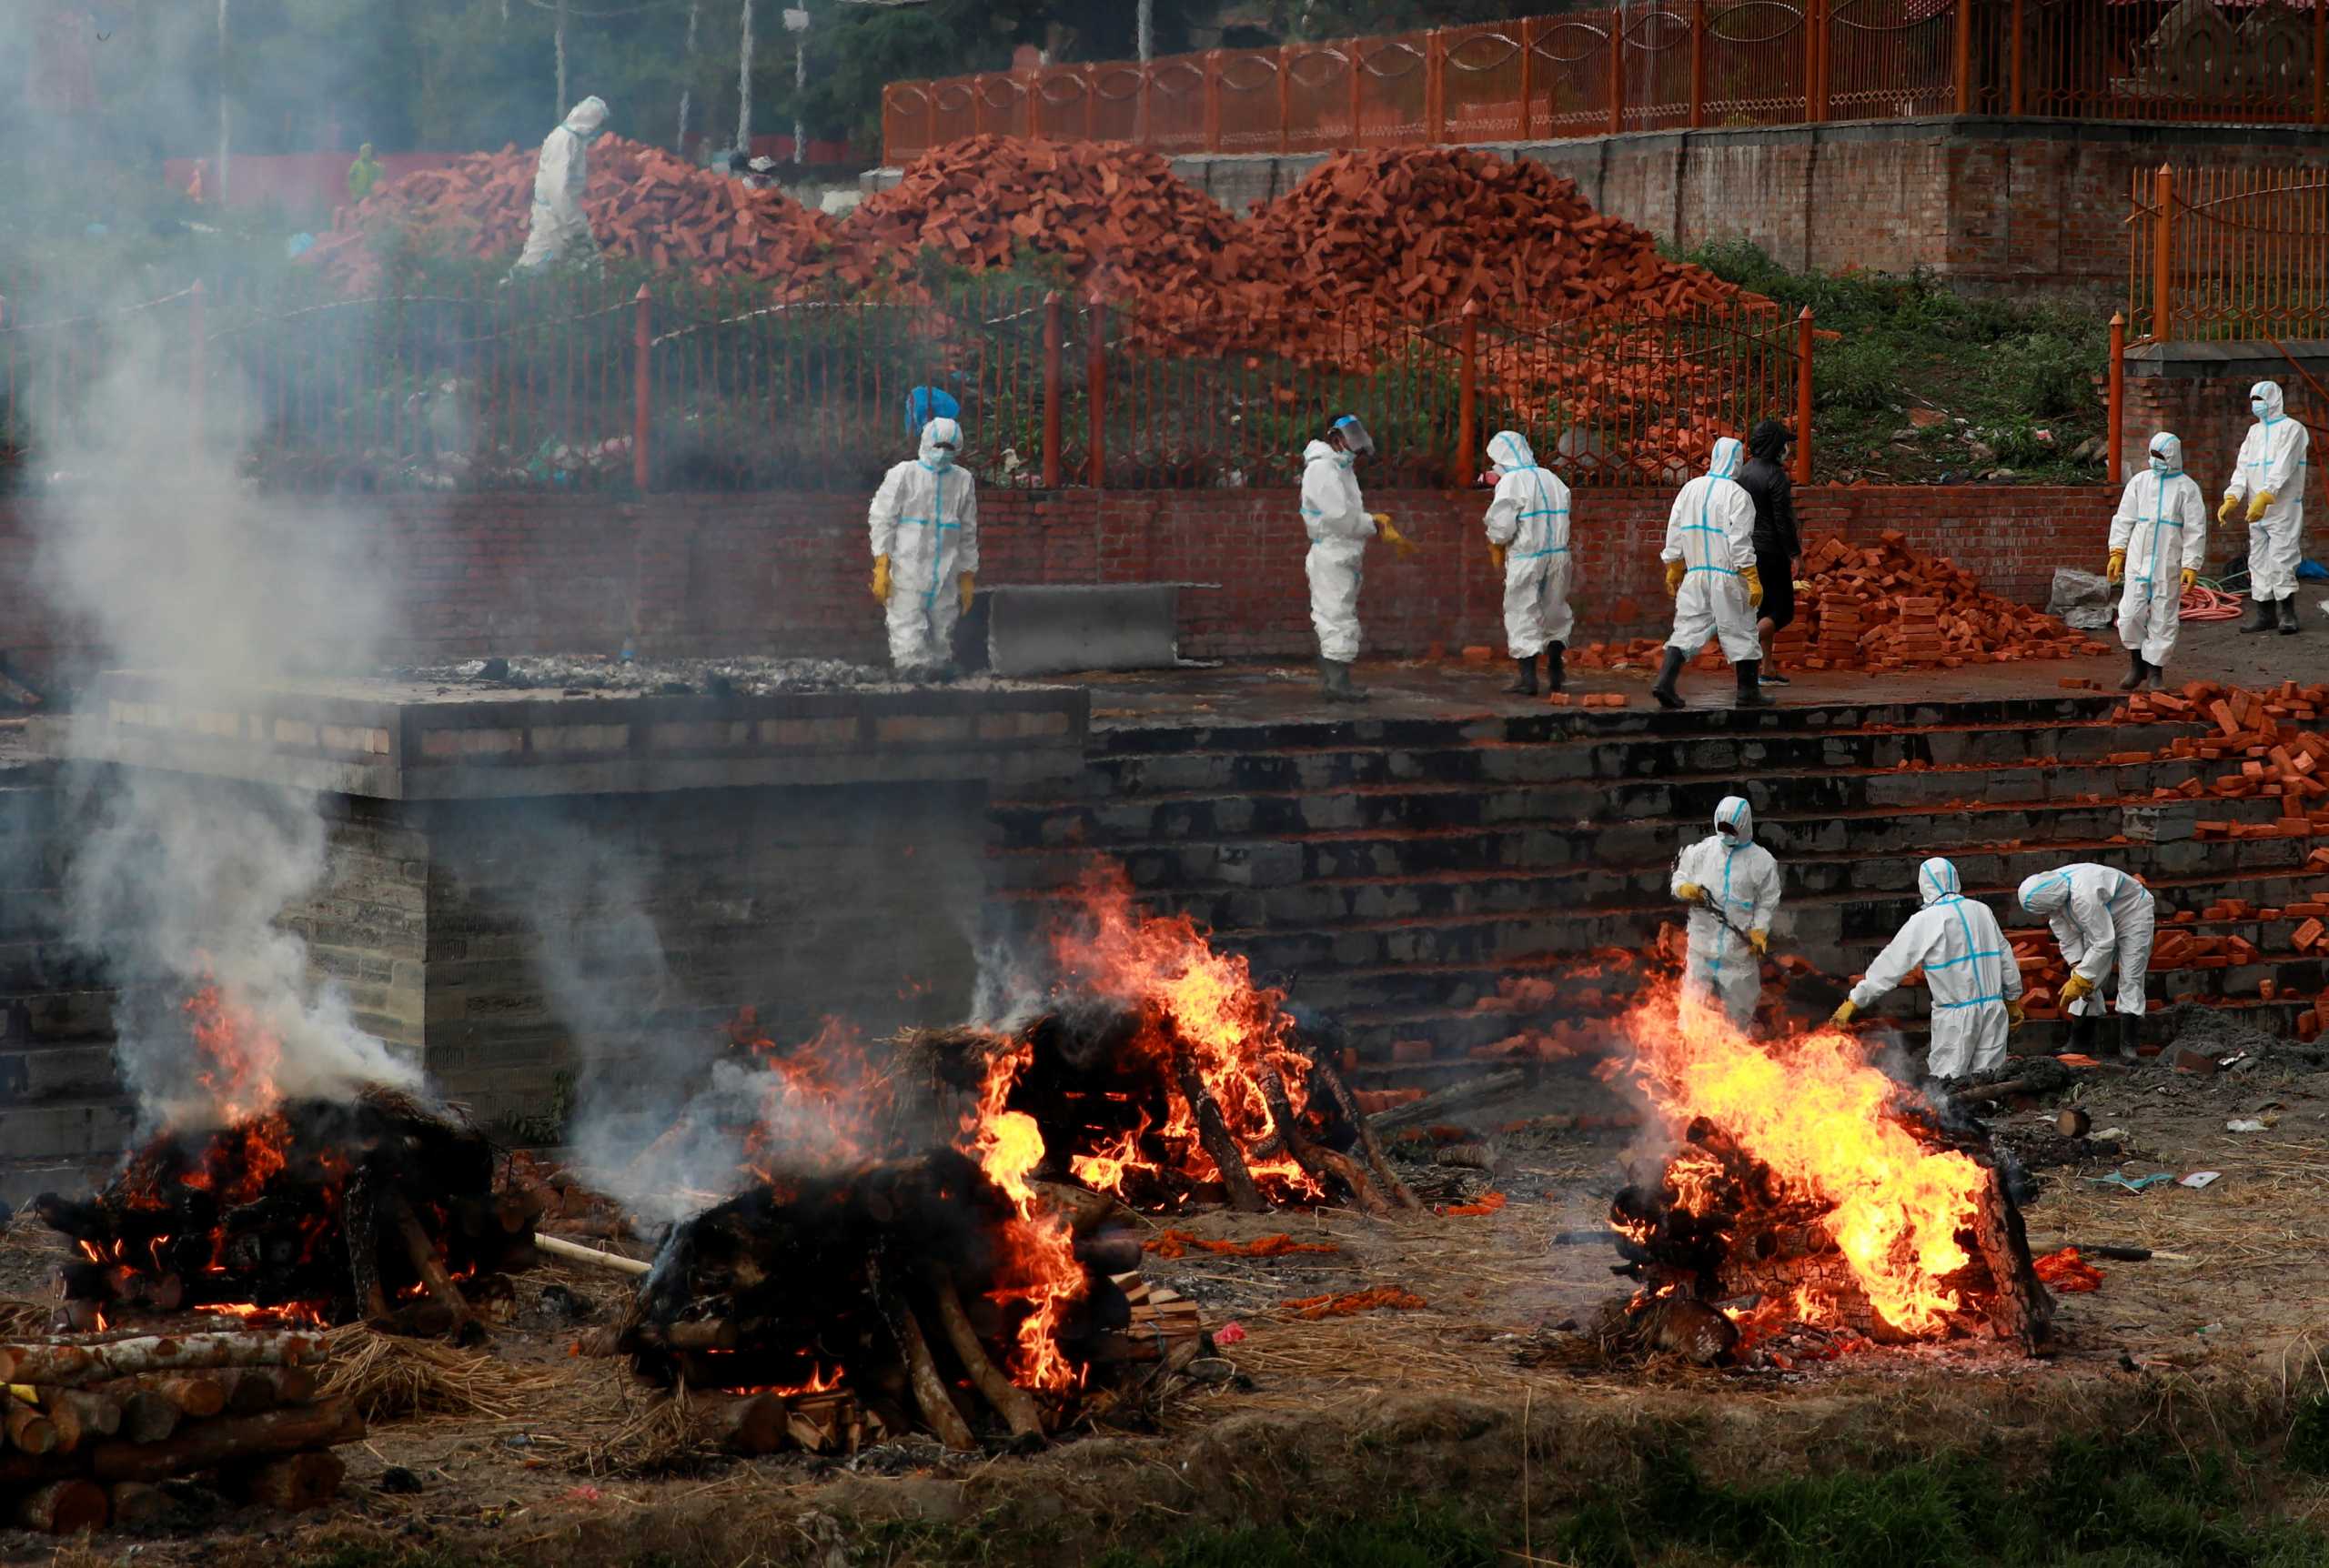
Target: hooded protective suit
1969 974
925 519
561 232
2101 916
1740 878
1712 530
1334 516
2271 463
1528 520
2162 527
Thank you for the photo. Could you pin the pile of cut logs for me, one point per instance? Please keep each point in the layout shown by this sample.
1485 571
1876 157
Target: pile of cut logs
95 1425
839 1310
376 1208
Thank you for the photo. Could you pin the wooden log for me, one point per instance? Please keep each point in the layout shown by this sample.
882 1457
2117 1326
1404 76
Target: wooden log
72 1365
420 1249
930 1395
710 1334
198 1394
29 1431
1213 1132
293 1482
62 1508
140 1506
1014 1403
148 1417
1432 1106
572 1252
361 1221
1111 1254
1085 1210
1322 1074
79 1418
205 1446
1317 1158
745 1424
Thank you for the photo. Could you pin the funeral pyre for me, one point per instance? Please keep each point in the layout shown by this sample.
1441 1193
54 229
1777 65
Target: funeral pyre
1809 1201
306 1211
870 1282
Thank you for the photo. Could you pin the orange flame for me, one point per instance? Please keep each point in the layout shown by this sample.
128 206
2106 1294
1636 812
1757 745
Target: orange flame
1824 1119
1039 1255
822 1103
239 1055
1190 996
1105 1169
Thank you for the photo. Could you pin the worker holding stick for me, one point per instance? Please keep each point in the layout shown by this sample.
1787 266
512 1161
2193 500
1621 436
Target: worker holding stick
1970 974
1334 516
2101 916
1731 885
1710 570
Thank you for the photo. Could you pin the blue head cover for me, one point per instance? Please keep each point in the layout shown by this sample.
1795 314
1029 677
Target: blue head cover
924 404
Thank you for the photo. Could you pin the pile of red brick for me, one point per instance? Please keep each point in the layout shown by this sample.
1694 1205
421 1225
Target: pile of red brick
642 203
1885 607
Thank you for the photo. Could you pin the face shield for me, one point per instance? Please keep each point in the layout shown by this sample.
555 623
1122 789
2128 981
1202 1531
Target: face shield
1355 441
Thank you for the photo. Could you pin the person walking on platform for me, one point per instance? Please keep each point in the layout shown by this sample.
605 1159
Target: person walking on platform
2270 479
1710 557
1779 546
1527 523
1334 516
2159 540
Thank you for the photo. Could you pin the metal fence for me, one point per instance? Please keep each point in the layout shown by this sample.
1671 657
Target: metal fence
585 384
1666 65
2229 254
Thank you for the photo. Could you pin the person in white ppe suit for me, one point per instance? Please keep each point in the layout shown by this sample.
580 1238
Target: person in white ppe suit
1334 516
2159 540
1710 557
925 529
561 232
2101 916
1731 884
2270 481
1527 523
1970 975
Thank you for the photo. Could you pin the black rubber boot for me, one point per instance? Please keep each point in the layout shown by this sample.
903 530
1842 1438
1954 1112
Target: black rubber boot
1750 690
2082 1028
1663 689
2287 609
1555 676
2157 675
2131 1031
1525 683
1335 680
2260 617
2135 668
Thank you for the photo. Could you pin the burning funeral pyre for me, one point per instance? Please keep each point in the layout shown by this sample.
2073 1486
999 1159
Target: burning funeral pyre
374 1208
1809 1195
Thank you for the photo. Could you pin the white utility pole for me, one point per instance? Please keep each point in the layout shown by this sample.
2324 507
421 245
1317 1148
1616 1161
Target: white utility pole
1147 34
744 84
686 81
558 111
223 122
796 22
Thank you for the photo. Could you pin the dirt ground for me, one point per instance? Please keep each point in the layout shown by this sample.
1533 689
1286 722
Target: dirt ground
1303 1416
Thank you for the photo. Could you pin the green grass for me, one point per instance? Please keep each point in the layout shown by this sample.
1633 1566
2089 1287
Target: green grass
2018 379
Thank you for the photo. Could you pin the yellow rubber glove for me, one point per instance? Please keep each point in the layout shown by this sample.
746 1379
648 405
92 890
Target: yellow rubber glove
2190 576
967 584
1690 893
2116 572
882 578
2256 505
1496 558
2014 1016
2077 986
1675 572
1760 942
1845 1013
1393 537
2231 505
1754 581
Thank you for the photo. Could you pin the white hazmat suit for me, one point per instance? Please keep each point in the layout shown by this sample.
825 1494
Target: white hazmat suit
1970 973
925 520
1334 516
2271 463
2161 530
2101 916
1528 520
1727 872
561 232
1711 532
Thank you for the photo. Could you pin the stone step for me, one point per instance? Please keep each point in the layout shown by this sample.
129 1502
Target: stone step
29 1075
65 1129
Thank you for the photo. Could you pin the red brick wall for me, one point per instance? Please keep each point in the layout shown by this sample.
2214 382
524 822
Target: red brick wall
696 573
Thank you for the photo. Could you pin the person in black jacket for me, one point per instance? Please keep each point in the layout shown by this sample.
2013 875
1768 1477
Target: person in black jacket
1778 546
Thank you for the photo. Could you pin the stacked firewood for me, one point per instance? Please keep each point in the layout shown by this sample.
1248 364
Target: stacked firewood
835 1312
377 1207
95 1425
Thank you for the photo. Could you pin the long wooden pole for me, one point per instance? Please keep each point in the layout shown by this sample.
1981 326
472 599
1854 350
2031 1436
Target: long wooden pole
2162 306
1803 397
2117 392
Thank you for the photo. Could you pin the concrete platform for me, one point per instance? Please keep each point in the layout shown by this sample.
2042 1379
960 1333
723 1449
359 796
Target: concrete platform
385 739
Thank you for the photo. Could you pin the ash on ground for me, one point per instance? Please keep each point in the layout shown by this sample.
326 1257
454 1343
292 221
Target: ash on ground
617 677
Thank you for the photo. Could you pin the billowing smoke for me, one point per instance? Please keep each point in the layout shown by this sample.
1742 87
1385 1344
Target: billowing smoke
160 558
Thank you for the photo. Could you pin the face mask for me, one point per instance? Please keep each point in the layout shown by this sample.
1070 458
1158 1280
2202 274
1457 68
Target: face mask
2159 464
1345 459
2256 407
941 459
